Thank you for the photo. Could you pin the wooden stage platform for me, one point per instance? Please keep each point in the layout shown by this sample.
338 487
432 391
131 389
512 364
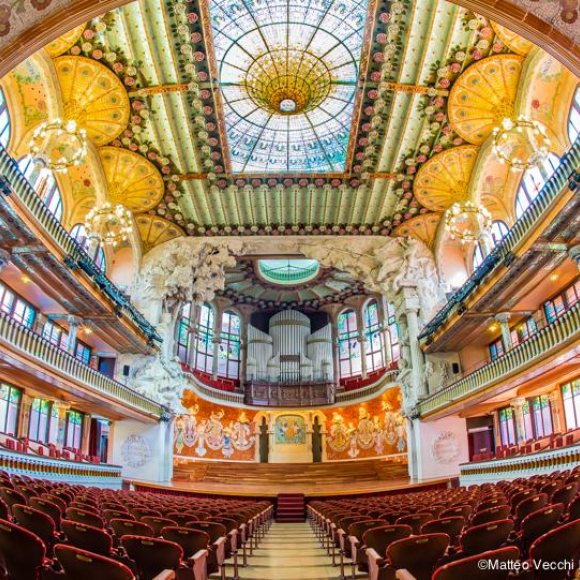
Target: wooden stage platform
329 479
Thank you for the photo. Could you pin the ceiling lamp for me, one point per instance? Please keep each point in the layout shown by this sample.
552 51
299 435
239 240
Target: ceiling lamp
467 222
521 143
109 224
58 144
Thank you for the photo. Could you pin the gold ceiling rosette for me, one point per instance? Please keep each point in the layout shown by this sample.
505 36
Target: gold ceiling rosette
444 179
513 41
131 179
93 97
484 95
423 227
65 42
155 230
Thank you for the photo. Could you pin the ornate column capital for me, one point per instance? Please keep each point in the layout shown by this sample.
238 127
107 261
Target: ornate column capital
502 317
518 402
75 321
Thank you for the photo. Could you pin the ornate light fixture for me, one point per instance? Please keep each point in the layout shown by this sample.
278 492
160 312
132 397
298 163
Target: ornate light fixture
467 221
109 224
59 144
521 143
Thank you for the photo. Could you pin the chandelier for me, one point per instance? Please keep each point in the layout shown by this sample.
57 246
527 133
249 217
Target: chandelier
467 221
59 144
109 224
521 143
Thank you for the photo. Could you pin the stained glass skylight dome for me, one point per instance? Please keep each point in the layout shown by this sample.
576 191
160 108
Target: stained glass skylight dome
288 72
286 272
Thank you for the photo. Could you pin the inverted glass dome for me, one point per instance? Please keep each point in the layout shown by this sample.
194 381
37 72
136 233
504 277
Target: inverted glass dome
288 271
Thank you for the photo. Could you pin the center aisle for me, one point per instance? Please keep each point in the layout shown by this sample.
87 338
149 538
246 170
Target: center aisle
290 551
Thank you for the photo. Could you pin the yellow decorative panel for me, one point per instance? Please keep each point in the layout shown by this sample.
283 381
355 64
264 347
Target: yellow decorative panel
422 227
156 230
131 179
64 42
513 41
444 179
94 97
484 95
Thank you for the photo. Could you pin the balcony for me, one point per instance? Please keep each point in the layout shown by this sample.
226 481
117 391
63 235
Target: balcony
560 333
18 197
24 348
565 176
304 394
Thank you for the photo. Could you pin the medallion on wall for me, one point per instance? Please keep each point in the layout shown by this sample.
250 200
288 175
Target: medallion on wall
290 429
135 451
445 448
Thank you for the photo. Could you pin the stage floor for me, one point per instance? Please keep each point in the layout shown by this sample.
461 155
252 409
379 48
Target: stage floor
313 489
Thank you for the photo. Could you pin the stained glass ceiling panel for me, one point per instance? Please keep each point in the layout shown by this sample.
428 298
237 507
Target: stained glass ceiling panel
288 71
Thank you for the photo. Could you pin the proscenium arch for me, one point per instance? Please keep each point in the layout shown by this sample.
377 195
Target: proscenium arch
55 21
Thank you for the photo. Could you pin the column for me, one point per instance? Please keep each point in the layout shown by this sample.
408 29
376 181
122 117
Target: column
24 415
361 340
415 350
384 330
486 243
556 406
217 324
503 319
496 430
335 353
192 345
73 324
518 407
574 254
86 434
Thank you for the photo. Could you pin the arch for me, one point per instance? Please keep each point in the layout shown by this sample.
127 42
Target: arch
44 183
349 351
373 334
79 233
228 349
499 230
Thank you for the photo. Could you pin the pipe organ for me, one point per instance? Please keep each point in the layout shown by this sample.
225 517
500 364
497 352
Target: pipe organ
290 352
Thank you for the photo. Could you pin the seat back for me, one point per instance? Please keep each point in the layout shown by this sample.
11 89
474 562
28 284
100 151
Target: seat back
492 514
212 529
519 496
541 521
418 554
486 537
565 494
380 538
84 517
189 539
110 514
451 526
559 545
139 513
12 497
157 523
181 518
415 521
345 522
359 528
531 504
82 565
130 527
55 499
49 508
229 523
470 567
21 552
459 510
87 537
35 521
152 555
491 502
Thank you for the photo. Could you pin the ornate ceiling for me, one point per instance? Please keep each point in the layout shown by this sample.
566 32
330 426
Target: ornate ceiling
285 117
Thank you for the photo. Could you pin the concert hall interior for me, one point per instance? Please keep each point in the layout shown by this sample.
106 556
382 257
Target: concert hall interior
289 289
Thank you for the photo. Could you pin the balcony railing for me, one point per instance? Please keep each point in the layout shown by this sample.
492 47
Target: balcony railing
76 257
73 472
519 465
32 346
503 252
546 340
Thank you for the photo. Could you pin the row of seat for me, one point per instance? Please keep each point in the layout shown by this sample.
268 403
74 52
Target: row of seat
54 530
446 533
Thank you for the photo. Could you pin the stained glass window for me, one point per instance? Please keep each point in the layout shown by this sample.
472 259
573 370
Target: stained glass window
74 429
542 416
229 346
533 181
374 337
288 73
16 308
183 333
79 234
4 121
496 349
83 352
43 423
288 271
574 118
528 421
44 183
498 231
393 332
9 408
507 426
349 354
560 304
571 400
204 339
55 334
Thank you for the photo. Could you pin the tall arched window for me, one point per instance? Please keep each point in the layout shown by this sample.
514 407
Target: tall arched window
349 355
498 232
204 340
229 346
574 118
79 234
183 332
393 330
532 182
4 121
44 183
374 337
